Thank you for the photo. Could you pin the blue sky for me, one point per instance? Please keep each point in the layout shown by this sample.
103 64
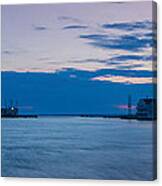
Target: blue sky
98 45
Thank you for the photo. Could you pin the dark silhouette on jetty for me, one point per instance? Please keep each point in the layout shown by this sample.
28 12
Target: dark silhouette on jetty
12 111
146 109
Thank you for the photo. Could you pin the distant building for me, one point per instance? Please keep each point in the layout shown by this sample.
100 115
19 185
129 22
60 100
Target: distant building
146 108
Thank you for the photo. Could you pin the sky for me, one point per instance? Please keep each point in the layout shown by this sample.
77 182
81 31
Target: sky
80 56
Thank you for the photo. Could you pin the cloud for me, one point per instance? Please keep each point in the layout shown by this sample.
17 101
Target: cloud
151 34
75 27
89 60
69 19
40 28
121 61
124 80
125 107
84 74
44 58
129 26
124 42
14 51
129 66
72 76
133 57
125 36
7 52
117 2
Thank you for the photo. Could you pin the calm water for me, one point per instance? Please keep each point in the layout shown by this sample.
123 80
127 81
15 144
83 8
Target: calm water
75 147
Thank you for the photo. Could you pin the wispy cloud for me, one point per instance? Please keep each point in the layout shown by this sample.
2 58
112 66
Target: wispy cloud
130 26
89 60
125 42
40 28
117 59
44 58
14 51
125 107
129 66
133 57
105 72
118 2
75 27
125 80
68 18
7 52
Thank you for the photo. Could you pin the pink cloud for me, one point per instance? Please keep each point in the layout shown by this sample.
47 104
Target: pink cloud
125 107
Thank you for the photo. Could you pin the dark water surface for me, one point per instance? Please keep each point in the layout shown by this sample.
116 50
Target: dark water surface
75 147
